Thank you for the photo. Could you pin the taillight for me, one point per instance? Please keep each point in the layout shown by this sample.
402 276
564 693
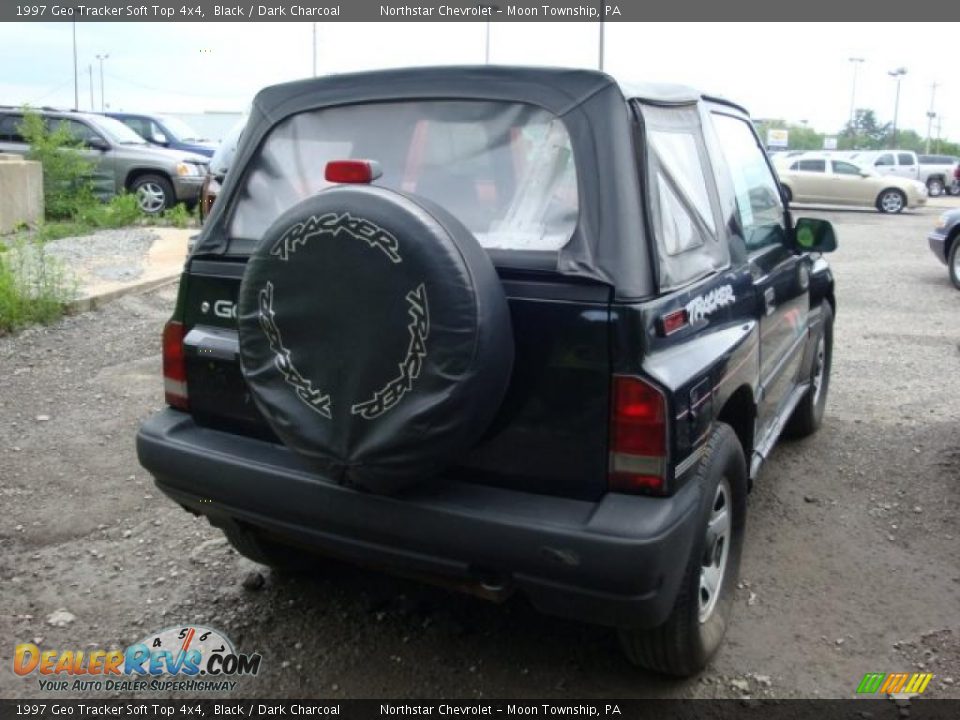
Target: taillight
352 171
638 436
174 366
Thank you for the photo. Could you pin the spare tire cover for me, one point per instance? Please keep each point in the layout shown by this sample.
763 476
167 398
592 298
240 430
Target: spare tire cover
375 336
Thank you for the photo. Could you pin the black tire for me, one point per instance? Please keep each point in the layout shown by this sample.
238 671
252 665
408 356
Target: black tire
808 415
887 204
154 193
953 261
954 188
935 186
254 546
683 645
349 288
787 193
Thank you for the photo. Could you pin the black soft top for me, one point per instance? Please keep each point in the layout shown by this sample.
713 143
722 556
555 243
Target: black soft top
609 244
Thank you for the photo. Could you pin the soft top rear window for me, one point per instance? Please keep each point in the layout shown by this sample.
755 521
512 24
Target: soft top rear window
506 170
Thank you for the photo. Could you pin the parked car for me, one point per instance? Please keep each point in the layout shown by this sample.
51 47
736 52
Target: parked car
123 162
166 131
219 164
453 322
825 179
945 243
936 174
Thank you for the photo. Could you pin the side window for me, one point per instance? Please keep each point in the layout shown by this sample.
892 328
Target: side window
758 196
157 131
10 130
845 168
813 165
682 189
905 159
78 130
884 160
137 125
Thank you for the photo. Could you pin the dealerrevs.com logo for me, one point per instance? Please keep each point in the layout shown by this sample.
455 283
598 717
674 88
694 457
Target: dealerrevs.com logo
191 658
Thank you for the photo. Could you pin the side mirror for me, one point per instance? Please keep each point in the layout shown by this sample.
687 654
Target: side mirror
159 138
864 174
98 143
813 235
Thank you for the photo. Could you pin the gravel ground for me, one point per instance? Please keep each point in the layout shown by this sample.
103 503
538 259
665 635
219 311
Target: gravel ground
850 564
112 255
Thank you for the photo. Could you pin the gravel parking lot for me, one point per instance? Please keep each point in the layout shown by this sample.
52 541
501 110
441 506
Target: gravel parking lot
850 566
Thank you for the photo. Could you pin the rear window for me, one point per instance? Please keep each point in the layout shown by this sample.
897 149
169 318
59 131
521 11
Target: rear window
506 170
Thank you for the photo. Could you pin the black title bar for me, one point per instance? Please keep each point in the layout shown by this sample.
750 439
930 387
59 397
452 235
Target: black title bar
143 707
475 11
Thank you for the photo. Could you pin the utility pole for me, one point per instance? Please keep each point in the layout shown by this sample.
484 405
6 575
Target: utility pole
76 79
90 72
101 58
930 115
896 75
486 52
314 49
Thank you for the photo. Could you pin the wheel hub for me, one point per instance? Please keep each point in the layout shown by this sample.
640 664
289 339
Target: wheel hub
716 550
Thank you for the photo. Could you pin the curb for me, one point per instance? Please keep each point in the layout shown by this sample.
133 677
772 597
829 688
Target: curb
93 302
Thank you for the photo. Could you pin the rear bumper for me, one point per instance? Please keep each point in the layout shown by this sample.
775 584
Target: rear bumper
617 561
938 245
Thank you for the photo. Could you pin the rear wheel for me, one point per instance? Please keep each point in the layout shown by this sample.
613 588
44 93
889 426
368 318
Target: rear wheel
935 187
692 633
953 263
891 201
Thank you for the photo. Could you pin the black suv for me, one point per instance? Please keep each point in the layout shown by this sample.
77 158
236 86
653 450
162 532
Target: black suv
514 329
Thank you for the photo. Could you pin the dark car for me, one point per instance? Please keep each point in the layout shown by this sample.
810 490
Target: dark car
166 131
509 329
945 243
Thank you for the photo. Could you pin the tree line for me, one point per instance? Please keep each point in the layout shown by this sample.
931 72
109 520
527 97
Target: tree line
864 132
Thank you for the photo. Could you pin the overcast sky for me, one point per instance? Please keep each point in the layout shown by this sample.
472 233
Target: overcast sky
795 71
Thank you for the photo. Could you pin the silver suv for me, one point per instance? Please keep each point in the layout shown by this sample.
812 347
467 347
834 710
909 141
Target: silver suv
123 161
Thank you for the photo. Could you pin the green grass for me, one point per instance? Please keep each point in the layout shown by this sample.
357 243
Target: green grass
33 286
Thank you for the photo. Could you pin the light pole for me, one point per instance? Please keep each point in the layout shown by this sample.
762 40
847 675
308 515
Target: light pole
76 79
486 51
600 60
90 72
101 58
857 61
896 75
314 49
931 115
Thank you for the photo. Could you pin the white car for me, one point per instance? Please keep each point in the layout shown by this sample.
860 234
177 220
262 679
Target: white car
826 179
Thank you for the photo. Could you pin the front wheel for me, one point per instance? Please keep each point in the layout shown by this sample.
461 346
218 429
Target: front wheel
808 415
891 202
935 187
953 263
684 644
154 193
954 188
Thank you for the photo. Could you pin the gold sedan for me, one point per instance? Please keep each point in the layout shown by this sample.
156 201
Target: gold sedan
832 181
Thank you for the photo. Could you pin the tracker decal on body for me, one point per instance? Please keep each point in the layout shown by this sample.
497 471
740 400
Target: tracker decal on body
419 329
311 397
333 224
